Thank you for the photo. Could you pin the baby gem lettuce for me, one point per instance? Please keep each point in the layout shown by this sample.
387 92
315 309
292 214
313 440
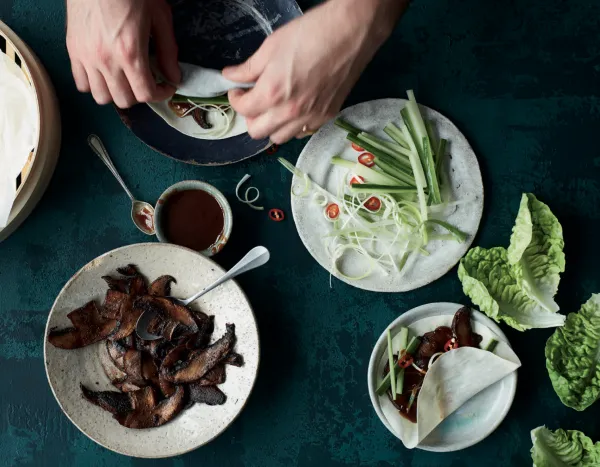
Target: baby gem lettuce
517 285
563 448
573 354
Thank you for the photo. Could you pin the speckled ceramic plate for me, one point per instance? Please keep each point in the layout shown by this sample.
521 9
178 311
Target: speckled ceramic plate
480 415
193 427
465 182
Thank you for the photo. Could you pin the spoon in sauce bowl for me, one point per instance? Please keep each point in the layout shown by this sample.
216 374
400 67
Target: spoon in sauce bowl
255 258
142 213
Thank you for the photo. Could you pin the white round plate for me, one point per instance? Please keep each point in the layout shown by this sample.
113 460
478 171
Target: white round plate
465 181
193 427
476 419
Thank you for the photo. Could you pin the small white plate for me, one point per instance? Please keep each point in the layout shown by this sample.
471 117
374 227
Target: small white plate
193 427
465 180
476 419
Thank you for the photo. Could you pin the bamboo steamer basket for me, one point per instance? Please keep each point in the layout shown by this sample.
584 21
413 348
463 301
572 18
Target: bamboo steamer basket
37 172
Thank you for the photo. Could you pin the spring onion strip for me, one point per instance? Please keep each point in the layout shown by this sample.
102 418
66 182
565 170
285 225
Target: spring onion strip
246 199
458 234
391 362
433 358
423 372
491 345
320 199
225 110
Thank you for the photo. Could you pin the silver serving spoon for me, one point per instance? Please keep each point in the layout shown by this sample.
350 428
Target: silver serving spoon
142 213
256 257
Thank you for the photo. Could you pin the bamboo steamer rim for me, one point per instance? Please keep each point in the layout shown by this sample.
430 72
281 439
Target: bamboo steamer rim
13 53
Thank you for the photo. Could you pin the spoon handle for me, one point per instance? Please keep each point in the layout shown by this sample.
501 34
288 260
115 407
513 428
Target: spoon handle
253 259
97 146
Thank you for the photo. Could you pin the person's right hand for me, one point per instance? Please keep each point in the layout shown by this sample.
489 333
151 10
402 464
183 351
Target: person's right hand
108 42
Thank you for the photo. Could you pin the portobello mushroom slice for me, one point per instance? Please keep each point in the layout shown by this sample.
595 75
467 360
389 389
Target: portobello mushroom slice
200 117
89 327
114 301
234 359
200 362
168 310
129 316
112 370
461 327
176 355
120 284
431 343
201 339
111 401
213 377
147 413
180 108
161 287
132 366
129 271
209 395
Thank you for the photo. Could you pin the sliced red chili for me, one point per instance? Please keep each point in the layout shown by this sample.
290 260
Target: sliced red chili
373 204
405 361
272 149
451 345
332 211
276 215
367 159
357 179
356 147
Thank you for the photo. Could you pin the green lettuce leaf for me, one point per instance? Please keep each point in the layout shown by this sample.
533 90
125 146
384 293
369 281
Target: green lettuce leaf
536 251
573 357
563 448
489 280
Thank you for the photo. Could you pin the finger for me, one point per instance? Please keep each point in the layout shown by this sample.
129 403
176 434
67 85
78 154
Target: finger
120 91
287 132
251 69
98 87
143 85
166 47
256 101
80 77
271 121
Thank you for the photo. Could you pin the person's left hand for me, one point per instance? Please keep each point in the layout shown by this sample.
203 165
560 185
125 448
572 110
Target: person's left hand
305 70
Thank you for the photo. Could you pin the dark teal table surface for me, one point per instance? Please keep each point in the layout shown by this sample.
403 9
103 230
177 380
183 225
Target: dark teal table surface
520 77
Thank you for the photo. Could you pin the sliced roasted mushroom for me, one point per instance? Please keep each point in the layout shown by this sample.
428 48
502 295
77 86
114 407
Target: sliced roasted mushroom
200 362
213 377
200 117
111 401
113 302
180 108
129 316
89 327
206 326
120 284
209 395
129 271
168 309
234 359
149 370
461 327
161 287
132 366
175 356
112 370
147 413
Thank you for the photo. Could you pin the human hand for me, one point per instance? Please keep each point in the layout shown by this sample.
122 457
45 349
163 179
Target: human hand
108 43
305 70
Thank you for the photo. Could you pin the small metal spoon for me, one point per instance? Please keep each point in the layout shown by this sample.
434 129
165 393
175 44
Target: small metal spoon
256 257
142 213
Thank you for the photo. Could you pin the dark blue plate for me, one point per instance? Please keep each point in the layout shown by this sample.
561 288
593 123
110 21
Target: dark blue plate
213 34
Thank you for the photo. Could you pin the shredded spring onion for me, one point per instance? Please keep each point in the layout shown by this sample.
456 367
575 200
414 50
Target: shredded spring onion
222 126
433 358
245 199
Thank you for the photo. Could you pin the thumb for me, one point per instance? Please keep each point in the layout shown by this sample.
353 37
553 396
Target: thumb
166 47
250 70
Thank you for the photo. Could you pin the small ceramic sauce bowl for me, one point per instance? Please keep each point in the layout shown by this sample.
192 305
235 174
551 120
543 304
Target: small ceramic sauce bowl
162 206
